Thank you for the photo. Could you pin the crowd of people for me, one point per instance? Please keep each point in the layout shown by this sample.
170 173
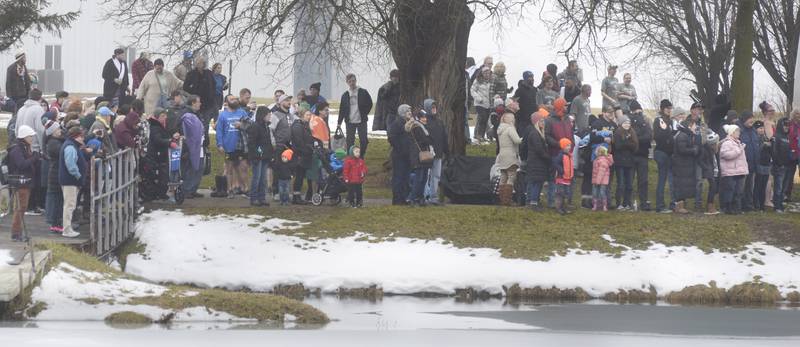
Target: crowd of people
545 137
750 163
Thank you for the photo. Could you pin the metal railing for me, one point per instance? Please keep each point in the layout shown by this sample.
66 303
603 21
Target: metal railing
114 198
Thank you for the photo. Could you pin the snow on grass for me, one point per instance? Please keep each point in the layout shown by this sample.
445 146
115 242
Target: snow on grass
5 257
74 294
237 252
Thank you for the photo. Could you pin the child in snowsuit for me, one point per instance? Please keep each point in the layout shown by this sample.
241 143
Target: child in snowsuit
563 165
355 169
601 175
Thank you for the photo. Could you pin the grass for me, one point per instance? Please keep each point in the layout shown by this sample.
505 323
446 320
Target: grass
263 307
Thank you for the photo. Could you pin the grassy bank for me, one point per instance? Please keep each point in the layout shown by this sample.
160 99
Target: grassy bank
262 307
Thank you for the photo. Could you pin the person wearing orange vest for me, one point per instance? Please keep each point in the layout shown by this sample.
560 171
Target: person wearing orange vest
564 172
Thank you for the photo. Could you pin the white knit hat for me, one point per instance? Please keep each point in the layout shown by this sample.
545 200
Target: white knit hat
25 131
730 128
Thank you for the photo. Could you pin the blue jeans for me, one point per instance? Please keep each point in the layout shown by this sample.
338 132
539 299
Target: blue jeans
432 186
191 177
418 184
258 184
624 186
600 192
664 163
54 206
283 190
778 175
534 191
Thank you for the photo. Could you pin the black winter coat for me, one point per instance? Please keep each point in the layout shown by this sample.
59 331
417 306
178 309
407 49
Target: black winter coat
438 135
526 96
625 145
781 151
684 162
22 161
110 73
53 147
709 161
420 140
399 138
202 84
258 142
302 143
158 144
537 159
665 138
364 106
644 134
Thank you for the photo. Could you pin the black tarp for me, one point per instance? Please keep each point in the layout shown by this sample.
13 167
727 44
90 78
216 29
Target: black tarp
465 180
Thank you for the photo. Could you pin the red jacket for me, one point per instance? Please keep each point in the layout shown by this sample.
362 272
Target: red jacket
355 169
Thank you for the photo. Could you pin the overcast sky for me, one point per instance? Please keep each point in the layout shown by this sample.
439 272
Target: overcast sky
526 45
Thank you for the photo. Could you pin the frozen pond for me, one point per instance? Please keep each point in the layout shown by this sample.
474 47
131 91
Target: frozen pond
405 321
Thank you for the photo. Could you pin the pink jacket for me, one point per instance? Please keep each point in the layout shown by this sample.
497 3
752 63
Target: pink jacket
601 169
732 159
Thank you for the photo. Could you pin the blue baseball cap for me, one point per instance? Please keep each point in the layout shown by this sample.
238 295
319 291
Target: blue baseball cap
105 111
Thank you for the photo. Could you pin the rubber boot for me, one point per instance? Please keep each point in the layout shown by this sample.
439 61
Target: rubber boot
604 202
595 204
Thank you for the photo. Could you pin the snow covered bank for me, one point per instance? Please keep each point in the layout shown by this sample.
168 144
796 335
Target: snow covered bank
5 257
236 252
73 294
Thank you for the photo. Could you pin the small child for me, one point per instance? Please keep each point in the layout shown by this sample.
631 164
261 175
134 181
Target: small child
283 170
355 169
762 167
601 174
336 159
564 173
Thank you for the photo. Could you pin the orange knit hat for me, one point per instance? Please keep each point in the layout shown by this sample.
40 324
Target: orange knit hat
560 106
564 143
287 154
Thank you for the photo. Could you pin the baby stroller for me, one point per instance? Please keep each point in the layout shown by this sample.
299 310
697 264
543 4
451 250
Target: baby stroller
175 183
331 185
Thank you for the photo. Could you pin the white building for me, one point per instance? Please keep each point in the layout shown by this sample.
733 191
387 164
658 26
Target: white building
91 41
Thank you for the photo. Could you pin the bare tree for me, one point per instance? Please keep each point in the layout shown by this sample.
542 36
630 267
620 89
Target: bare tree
27 17
692 35
426 39
777 29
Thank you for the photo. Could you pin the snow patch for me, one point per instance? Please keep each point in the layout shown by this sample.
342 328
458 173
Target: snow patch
72 294
5 257
236 252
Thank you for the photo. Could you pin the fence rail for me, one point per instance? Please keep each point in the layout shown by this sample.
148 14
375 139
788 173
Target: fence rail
114 197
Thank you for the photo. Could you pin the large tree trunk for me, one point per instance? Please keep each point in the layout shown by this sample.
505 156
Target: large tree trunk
742 98
430 48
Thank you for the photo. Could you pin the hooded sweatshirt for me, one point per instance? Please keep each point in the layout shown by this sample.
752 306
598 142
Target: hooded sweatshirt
125 132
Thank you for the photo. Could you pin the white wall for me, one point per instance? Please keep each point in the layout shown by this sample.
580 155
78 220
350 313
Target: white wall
90 42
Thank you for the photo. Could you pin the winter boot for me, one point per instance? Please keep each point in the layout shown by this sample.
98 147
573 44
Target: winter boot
604 203
297 200
711 211
680 209
587 202
505 191
595 204
220 187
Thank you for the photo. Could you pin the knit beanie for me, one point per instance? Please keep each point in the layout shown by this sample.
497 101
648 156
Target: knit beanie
635 106
745 116
339 153
731 116
403 109
560 106
622 120
730 128
287 154
564 143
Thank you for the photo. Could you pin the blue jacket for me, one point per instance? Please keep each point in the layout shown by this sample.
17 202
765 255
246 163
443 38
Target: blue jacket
752 150
72 166
227 133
